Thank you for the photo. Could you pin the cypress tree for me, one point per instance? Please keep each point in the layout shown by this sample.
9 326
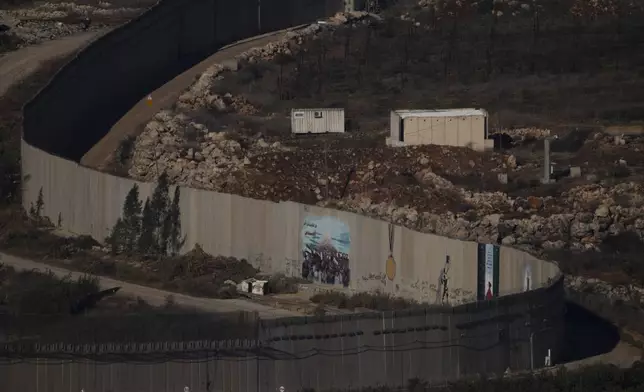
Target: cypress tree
175 241
159 205
146 239
131 219
36 210
116 238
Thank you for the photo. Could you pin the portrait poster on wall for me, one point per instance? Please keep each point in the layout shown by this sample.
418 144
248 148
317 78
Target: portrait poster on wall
488 271
325 250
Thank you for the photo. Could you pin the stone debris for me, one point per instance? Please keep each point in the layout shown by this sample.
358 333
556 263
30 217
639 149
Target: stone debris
48 21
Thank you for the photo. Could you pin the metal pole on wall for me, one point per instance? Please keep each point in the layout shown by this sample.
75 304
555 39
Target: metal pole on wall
259 16
257 348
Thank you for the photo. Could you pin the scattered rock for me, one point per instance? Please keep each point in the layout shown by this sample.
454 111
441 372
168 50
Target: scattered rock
602 212
411 187
512 162
575 171
535 203
45 21
503 178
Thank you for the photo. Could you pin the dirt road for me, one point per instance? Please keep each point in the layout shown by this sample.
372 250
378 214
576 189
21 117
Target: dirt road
14 66
131 124
154 296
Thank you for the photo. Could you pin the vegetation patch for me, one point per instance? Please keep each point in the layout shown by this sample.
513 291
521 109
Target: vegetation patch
32 292
375 301
588 379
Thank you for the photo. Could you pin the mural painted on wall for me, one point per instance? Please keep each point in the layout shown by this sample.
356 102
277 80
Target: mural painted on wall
527 278
488 271
325 247
390 264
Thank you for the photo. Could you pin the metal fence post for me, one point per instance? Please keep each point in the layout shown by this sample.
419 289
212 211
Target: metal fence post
37 379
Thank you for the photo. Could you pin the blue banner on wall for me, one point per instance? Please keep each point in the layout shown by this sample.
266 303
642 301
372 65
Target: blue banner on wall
488 271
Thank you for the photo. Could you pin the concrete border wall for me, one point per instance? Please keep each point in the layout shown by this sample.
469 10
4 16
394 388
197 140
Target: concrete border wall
89 95
96 88
273 236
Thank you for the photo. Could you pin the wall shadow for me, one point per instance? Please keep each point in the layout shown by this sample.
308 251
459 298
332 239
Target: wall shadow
586 334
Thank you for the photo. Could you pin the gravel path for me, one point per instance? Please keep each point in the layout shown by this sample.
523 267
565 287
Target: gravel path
154 296
15 66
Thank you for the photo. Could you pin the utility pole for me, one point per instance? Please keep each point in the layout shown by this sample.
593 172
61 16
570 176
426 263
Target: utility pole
547 165
546 161
326 167
532 333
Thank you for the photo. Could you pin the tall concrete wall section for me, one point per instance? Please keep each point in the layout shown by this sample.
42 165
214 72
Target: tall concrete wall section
244 15
105 80
327 246
336 248
97 87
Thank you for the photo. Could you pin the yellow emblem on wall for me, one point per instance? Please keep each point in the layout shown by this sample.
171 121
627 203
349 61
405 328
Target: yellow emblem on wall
390 268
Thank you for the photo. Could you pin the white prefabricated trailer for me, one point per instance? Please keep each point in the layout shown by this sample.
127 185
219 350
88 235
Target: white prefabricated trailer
317 120
448 127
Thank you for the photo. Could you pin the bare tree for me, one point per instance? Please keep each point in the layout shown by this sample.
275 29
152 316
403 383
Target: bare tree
583 12
535 8
455 10
282 59
347 43
404 60
364 56
496 13
620 10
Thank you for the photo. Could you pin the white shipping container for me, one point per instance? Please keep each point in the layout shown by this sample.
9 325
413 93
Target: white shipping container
451 127
330 120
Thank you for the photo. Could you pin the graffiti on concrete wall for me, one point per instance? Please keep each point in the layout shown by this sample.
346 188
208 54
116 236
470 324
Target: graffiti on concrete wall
442 292
390 264
488 271
325 249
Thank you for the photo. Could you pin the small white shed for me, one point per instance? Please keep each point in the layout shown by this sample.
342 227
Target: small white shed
330 120
448 127
252 286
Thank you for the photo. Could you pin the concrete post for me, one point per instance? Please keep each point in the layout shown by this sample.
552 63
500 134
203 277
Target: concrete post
546 161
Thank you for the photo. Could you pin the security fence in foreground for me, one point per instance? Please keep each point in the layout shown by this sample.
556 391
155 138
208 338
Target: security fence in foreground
436 344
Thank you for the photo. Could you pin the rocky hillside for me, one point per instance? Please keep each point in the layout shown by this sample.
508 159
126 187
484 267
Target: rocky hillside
225 135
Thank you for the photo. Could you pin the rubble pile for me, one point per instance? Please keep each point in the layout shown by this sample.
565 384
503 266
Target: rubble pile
520 135
48 21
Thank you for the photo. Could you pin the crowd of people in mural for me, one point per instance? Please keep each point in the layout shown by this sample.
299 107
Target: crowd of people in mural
325 264
325 249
